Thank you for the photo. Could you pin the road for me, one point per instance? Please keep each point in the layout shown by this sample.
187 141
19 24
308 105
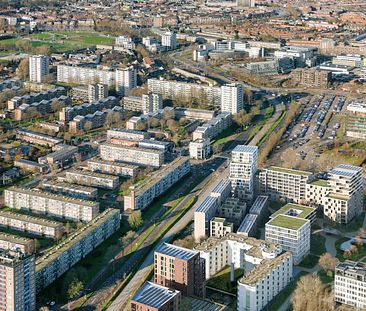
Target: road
121 301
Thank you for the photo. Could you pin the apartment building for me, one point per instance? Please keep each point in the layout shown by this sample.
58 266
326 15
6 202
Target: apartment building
296 210
232 98
127 134
65 154
175 90
169 40
16 101
32 225
151 296
126 79
42 108
208 208
248 227
92 179
193 114
260 207
350 284
267 268
16 245
292 233
356 120
132 103
125 42
37 138
69 113
312 77
112 168
18 282
79 244
50 204
219 227
200 149
345 199
31 166
95 120
213 127
10 84
97 91
135 155
143 194
72 190
180 268
243 167
282 184
151 103
316 191
38 68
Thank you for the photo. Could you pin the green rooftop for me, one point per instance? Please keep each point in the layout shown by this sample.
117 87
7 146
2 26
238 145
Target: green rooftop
287 222
320 182
303 211
289 171
338 196
218 219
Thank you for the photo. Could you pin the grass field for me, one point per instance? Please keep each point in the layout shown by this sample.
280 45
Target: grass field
58 41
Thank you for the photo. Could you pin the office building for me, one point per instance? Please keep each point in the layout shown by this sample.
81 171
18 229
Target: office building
282 184
356 120
151 103
151 296
134 155
292 233
232 98
92 179
350 284
143 194
32 225
112 168
71 190
58 260
268 269
180 268
243 167
169 40
200 149
50 204
38 68
17 275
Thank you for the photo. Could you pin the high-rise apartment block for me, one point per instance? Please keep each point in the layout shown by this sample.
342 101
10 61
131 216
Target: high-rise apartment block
151 102
97 91
180 268
126 79
350 284
169 40
232 98
17 277
356 120
243 167
38 68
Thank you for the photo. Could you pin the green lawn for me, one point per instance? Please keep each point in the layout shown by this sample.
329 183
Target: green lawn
355 257
221 280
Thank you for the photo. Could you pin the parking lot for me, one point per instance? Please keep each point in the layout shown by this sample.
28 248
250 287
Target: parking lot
319 122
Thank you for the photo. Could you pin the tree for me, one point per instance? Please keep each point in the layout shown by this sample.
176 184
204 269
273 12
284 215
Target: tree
75 289
88 126
128 238
358 241
361 232
135 219
328 262
23 69
311 294
242 118
154 122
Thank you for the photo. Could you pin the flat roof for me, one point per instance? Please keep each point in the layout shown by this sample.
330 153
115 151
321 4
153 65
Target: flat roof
30 163
320 182
114 163
52 196
75 237
289 171
92 174
259 203
176 251
287 222
245 149
247 223
69 186
31 219
154 295
157 151
345 170
206 204
338 196
221 186
15 239
302 210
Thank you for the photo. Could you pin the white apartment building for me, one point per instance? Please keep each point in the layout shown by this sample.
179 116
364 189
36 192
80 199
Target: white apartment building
18 283
142 195
213 127
33 225
243 167
135 155
282 184
169 40
292 233
15 244
38 68
70 190
232 98
127 134
267 268
113 168
126 42
219 227
126 79
97 91
345 199
151 103
92 179
199 149
350 284
50 204
208 207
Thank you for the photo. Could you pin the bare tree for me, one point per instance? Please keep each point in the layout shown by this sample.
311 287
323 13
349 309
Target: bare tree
328 262
23 69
